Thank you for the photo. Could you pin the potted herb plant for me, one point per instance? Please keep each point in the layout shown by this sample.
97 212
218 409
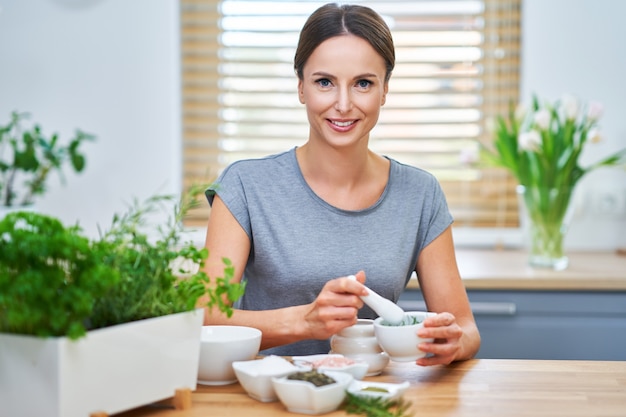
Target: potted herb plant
28 157
101 325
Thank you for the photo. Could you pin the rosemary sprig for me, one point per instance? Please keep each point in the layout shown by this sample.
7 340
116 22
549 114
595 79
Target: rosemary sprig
376 406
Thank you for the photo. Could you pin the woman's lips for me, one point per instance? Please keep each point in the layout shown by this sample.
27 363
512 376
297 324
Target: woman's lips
342 125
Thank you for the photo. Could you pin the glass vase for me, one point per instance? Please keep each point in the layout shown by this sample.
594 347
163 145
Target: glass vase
545 213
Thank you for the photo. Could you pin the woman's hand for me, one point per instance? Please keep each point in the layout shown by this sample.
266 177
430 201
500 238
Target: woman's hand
336 307
447 345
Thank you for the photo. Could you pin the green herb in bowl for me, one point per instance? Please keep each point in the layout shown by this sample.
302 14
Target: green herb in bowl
314 377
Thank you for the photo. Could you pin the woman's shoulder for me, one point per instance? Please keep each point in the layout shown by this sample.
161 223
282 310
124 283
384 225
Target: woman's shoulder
411 173
266 164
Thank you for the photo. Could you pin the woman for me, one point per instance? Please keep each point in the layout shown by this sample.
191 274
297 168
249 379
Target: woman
296 224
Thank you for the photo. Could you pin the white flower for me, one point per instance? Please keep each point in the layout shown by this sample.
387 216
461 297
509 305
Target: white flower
529 141
542 119
594 110
6 238
594 135
570 107
520 112
468 156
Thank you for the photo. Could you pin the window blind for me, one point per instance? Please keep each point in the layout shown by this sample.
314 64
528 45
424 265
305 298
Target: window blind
457 67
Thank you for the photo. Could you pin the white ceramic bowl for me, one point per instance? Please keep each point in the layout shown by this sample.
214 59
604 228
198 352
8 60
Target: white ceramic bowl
400 341
359 342
384 390
357 369
305 398
220 346
255 376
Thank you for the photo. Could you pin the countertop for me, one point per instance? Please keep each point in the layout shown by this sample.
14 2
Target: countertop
475 388
483 269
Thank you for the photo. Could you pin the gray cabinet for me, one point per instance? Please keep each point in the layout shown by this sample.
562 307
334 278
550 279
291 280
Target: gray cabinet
581 325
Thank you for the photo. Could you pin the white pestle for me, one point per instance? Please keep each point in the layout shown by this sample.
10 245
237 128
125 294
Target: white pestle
387 309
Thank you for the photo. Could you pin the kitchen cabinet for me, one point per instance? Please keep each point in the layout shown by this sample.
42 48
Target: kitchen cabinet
522 313
545 324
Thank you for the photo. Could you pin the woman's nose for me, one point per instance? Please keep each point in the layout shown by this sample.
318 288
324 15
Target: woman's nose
343 103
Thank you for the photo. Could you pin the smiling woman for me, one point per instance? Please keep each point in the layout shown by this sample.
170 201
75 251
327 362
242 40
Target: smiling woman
300 223
457 67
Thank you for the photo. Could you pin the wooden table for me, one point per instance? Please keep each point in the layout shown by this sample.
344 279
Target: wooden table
480 388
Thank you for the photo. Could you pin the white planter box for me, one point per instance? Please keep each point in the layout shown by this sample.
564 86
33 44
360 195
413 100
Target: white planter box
110 370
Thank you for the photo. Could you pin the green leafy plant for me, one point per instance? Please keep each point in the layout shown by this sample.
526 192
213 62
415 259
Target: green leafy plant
375 406
27 158
56 282
541 147
50 276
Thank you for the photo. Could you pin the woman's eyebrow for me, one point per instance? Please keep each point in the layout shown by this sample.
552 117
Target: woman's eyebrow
356 77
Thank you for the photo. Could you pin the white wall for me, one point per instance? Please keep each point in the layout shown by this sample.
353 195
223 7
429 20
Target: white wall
110 67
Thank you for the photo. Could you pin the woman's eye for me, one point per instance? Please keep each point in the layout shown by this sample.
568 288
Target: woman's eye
363 83
324 82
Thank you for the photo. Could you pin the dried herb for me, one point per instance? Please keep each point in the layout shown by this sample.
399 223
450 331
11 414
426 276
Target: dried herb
314 377
375 389
376 406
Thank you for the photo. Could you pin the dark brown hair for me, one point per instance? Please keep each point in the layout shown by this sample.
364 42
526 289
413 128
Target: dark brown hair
333 20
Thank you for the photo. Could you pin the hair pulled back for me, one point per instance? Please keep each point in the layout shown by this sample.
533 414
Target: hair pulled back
333 20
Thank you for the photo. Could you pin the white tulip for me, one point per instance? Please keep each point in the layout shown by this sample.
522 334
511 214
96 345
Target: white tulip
570 107
542 119
594 110
529 141
594 135
468 156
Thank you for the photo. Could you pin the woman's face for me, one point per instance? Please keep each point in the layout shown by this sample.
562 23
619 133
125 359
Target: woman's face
343 87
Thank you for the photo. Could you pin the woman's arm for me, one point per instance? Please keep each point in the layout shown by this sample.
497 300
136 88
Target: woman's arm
454 328
335 307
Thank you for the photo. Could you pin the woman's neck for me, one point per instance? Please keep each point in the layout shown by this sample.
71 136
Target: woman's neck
345 178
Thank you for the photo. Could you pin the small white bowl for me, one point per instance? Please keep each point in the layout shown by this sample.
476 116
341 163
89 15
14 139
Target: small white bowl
305 398
220 346
391 391
401 341
358 369
255 376
359 342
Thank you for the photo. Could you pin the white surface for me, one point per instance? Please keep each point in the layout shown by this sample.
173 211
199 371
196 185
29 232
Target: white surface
400 342
111 370
110 68
220 346
305 398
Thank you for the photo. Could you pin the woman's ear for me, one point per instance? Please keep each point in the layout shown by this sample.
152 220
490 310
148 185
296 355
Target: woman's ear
300 92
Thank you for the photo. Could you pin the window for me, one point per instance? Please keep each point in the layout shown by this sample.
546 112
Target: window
457 67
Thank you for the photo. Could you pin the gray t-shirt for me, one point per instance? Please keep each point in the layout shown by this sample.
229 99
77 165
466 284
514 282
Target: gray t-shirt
299 242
